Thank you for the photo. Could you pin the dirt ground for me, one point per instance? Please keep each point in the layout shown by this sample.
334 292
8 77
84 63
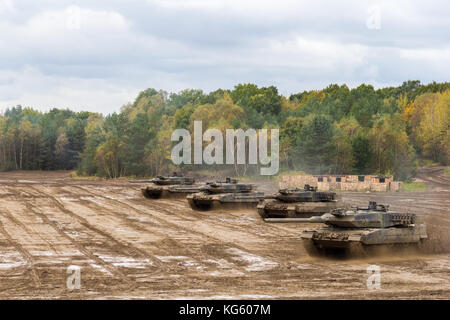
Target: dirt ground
129 247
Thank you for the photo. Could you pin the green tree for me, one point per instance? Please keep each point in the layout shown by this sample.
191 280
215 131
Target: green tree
183 116
314 147
289 132
95 136
362 153
109 156
392 153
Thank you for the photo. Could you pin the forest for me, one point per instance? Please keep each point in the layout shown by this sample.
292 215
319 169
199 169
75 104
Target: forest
336 130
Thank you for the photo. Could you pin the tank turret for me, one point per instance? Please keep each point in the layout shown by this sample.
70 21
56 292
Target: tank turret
174 179
227 186
225 194
307 194
360 228
291 203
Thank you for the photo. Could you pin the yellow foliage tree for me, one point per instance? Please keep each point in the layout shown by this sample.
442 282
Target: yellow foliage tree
429 121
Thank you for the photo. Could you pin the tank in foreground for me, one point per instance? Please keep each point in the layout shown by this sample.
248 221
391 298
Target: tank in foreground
174 186
301 203
225 194
359 230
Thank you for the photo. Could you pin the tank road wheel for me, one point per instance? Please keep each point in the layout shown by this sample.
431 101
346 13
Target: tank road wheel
197 206
310 248
291 214
151 195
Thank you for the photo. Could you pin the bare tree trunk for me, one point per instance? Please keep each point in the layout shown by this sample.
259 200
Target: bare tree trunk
15 156
21 153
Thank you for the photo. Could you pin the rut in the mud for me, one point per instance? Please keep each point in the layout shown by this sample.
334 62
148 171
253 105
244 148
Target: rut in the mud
131 247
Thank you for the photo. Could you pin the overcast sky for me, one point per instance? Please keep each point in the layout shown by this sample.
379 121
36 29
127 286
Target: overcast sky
98 56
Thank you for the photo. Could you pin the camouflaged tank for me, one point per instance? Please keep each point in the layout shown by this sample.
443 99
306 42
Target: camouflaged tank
359 230
301 203
226 194
174 186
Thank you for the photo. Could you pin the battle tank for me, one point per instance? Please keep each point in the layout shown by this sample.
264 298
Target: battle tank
225 194
174 186
359 230
301 203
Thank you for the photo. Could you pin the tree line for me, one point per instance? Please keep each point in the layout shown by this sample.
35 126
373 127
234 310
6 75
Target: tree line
335 130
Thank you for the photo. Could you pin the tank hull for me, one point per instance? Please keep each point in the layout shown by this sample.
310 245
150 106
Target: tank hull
206 201
168 192
361 240
271 208
306 196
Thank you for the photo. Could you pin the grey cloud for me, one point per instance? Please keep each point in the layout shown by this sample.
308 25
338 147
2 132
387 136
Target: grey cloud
124 47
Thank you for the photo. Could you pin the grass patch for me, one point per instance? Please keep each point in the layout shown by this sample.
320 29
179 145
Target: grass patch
253 178
447 171
352 191
427 163
74 175
413 186
278 176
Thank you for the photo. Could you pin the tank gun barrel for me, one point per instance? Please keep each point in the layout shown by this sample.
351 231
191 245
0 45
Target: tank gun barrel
140 181
315 219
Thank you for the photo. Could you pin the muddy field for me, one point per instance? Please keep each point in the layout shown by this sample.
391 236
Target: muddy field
131 247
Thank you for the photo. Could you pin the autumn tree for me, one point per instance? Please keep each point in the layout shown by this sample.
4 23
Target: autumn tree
314 146
429 119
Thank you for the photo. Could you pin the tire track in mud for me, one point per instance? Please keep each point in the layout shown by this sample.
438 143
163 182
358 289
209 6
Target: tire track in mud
79 246
27 229
82 221
262 245
216 217
306 278
228 219
434 176
261 226
210 246
159 207
151 227
25 254
163 265
235 223
126 217
212 243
